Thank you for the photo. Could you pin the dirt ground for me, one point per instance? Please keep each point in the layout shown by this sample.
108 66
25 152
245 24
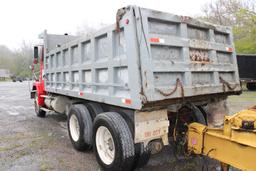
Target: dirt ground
33 144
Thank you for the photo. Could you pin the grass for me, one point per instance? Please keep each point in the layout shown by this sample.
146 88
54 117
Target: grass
21 154
12 147
245 96
16 137
5 80
43 167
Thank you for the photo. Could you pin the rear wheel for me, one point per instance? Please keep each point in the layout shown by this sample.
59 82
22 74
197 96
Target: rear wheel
113 142
80 127
142 155
186 115
94 109
39 112
251 86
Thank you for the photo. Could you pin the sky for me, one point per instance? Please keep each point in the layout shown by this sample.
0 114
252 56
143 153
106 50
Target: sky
24 20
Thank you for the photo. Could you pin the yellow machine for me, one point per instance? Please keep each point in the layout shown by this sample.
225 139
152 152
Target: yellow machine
233 145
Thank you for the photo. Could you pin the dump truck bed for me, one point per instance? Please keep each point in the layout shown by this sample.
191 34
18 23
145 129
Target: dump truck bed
151 57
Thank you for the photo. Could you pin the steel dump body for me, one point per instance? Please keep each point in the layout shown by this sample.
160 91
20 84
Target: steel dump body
154 57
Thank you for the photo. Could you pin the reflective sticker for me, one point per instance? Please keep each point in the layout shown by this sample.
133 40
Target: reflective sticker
81 93
127 101
229 49
127 21
156 40
161 41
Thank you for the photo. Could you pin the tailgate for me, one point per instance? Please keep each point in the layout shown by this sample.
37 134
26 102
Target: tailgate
182 57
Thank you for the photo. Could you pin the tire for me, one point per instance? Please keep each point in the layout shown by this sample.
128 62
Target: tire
80 127
142 155
120 147
128 120
204 115
94 109
39 112
198 115
195 115
251 86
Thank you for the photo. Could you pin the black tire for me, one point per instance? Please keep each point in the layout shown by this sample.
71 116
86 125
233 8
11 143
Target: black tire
84 141
198 115
204 114
142 155
94 109
122 138
195 115
128 120
251 86
39 112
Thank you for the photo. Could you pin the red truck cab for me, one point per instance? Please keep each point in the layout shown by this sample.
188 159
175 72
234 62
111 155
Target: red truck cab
38 89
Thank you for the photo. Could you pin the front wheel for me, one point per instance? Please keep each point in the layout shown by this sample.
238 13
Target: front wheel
39 112
113 142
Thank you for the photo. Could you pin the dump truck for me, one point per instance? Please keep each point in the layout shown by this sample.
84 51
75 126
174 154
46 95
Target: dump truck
246 68
133 87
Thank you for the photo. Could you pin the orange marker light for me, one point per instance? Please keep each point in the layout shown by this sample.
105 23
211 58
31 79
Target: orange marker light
229 49
81 93
127 101
154 40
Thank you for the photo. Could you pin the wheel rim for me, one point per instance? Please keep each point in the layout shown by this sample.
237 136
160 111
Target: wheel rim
74 127
105 145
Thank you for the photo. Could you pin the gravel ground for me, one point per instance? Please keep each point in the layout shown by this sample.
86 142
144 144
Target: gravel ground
31 144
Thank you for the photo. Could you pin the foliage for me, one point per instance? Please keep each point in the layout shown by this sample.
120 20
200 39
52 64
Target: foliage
245 33
240 15
17 61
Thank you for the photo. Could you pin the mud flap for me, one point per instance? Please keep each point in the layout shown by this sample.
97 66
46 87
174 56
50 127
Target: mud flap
150 126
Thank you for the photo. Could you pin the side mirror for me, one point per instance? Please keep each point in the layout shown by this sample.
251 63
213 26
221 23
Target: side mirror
36 55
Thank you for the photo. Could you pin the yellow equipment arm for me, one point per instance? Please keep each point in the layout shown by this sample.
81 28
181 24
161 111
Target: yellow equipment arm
233 145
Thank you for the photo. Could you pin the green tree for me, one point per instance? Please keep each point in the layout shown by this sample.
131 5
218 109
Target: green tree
17 61
245 32
240 15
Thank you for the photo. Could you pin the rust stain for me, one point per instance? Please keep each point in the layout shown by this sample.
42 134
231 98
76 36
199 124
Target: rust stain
119 15
200 56
143 96
146 82
185 18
